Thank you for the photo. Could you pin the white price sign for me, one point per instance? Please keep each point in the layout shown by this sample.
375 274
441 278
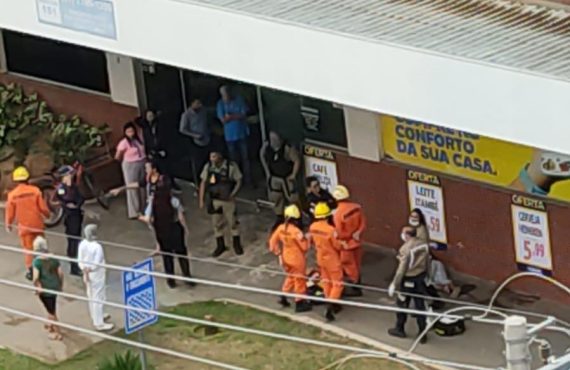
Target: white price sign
532 237
324 170
429 199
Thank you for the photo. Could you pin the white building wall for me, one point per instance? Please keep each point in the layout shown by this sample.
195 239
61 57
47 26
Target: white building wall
378 77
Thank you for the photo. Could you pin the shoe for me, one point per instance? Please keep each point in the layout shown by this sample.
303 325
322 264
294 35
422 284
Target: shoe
171 283
303 306
395 332
329 316
220 248
284 302
191 284
336 308
105 327
424 339
30 274
237 245
106 317
352 292
76 271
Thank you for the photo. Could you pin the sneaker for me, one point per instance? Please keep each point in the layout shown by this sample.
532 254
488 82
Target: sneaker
105 327
395 332
284 302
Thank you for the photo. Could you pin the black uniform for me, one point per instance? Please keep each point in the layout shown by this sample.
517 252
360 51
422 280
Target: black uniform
72 201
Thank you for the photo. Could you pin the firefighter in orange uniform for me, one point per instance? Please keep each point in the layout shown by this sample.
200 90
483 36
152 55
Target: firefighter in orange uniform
325 240
289 243
350 223
27 207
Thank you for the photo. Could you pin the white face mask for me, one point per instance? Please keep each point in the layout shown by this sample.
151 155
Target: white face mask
413 222
404 237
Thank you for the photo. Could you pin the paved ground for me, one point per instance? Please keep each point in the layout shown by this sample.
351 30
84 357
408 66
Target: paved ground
481 344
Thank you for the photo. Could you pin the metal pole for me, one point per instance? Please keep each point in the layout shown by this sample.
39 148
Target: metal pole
143 352
517 343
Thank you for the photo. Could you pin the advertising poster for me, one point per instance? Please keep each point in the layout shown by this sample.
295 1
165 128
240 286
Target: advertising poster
475 157
425 193
321 163
531 235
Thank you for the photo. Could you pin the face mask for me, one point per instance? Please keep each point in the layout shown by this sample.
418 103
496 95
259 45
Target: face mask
414 223
404 237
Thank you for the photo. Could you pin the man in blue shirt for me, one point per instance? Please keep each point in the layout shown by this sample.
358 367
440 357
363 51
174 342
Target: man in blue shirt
231 111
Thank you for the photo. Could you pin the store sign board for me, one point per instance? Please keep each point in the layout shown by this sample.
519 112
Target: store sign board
321 163
96 17
531 235
425 193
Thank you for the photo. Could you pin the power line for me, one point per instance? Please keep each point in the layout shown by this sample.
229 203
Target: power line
282 273
237 286
128 342
243 329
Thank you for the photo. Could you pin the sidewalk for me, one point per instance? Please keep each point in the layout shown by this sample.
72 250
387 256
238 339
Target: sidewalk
481 344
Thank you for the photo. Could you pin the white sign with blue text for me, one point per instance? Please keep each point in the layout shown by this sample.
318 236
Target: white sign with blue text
96 17
139 290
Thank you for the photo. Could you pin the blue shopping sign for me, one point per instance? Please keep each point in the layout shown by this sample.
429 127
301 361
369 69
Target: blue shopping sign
139 290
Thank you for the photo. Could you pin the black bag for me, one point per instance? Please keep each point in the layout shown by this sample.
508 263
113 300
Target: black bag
447 327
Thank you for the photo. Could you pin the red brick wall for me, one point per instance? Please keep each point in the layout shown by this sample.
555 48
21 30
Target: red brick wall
477 216
92 108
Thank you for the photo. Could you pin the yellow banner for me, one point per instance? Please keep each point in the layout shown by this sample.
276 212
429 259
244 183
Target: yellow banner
476 157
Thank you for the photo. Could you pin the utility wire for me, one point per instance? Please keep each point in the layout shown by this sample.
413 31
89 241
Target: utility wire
128 342
282 273
240 287
242 329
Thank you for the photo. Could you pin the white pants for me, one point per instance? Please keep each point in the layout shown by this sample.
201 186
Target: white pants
96 291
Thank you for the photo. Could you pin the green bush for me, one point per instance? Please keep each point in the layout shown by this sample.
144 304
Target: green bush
122 361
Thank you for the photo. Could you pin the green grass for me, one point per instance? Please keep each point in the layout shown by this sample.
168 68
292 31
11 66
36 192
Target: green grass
248 351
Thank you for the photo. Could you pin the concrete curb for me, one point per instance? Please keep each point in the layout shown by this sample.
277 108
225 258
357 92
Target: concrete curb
343 333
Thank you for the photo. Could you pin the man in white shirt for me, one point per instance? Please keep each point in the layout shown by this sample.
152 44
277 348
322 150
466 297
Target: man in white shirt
90 257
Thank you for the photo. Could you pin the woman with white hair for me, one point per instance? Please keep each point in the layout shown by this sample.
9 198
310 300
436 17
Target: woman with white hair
90 258
47 275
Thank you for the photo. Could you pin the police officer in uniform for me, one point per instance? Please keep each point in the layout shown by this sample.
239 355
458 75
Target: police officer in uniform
281 163
71 200
413 258
220 182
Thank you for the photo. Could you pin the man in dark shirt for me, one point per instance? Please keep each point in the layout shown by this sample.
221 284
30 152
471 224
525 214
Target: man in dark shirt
316 194
155 137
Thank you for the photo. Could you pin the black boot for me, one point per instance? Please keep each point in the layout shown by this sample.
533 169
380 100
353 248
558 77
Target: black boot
424 339
75 270
220 248
303 306
397 332
237 245
352 292
30 274
329 315
171 283
284 302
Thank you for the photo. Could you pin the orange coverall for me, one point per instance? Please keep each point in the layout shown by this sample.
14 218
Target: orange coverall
289 243
328 248
348 220
26 205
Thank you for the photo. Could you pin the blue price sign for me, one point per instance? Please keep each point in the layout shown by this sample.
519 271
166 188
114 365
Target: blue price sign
139 290
96 17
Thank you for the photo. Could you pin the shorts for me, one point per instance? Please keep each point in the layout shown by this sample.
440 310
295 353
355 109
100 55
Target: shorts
49 302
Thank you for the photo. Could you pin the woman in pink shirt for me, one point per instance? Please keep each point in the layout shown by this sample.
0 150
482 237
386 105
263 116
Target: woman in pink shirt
130 151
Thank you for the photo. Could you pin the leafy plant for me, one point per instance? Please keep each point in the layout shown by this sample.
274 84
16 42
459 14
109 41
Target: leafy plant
24 119
122 361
